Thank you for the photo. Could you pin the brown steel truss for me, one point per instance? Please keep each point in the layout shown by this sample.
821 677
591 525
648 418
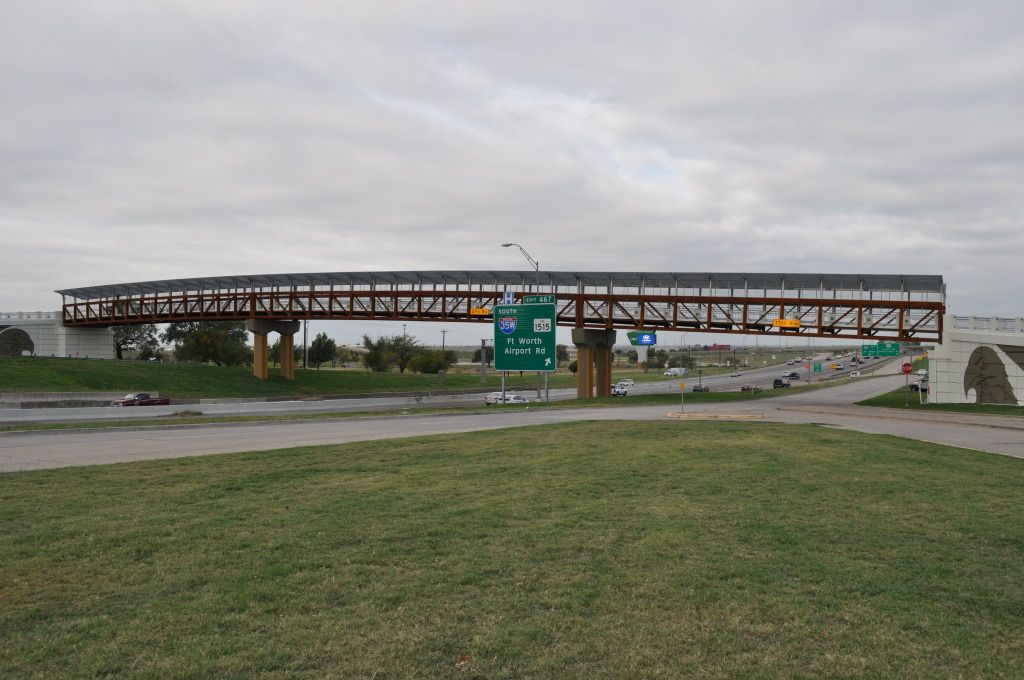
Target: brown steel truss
820 313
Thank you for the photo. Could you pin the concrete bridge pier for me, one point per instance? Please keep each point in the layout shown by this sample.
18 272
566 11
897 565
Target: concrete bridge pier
593 361
261 328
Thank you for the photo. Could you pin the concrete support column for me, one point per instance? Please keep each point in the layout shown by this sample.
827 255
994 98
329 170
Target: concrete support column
584 374
288 356
260 328
603 366
593 356
259 356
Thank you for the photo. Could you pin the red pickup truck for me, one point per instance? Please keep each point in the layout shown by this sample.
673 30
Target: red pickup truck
141 399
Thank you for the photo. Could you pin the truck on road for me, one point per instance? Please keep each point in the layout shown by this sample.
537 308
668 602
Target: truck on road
141 399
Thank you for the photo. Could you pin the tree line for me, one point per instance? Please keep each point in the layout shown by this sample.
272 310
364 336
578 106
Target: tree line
225 343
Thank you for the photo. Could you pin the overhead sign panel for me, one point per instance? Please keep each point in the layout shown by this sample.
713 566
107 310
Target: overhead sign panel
881 349
538 299
524 338
786 323
642 338
479 311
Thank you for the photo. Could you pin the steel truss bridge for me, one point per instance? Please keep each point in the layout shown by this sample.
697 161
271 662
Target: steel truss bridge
865 306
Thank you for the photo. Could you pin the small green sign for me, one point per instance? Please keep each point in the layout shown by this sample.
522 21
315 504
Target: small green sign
538 299
524 337
888 349
881 349
817 367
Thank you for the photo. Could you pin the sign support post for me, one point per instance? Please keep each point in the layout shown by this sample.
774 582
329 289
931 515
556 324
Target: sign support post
524 338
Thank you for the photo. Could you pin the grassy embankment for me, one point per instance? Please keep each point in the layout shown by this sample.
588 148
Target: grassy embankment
904 398
189 381
584 550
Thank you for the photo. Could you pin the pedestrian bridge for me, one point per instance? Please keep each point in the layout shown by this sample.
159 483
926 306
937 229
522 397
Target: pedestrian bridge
847 306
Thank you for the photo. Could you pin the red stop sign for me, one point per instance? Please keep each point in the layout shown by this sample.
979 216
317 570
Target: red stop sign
907 368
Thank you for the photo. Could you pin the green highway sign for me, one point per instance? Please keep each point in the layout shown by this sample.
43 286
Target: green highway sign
538 299
817 367
642 338
524 337
882 349
888 349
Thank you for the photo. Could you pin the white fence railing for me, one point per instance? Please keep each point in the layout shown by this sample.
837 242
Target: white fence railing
42 316
995 324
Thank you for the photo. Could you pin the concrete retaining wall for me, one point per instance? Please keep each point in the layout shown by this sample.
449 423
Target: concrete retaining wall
981 360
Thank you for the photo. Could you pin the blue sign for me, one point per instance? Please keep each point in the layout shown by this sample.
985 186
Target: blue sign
508 297
507 324
642 338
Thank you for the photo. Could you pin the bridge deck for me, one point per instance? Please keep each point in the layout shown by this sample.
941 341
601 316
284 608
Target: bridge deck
878 306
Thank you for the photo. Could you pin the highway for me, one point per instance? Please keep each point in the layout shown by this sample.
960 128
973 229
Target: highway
832 407
762 376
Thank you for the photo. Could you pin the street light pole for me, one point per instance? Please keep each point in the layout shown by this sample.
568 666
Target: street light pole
536 268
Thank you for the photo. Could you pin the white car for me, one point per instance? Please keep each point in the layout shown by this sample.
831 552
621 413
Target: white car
495 398
922 371
619 390
628 382
854 374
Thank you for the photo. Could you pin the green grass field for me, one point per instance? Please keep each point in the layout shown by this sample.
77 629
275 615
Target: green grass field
584 550
193 381
905 399
186 381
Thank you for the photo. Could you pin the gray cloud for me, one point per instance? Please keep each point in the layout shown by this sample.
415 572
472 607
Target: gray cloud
203 138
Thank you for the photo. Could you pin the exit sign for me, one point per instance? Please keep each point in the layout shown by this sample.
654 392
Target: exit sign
524 338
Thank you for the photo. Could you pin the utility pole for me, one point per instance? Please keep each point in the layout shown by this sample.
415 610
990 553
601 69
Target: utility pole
443 333
536 271
305 343
483 360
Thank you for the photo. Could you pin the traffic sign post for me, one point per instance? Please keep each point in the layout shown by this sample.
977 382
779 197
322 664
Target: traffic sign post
907 368
682 397
524 338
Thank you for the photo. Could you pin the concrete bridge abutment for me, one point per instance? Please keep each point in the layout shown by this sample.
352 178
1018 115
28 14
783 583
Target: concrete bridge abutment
593 361
261 328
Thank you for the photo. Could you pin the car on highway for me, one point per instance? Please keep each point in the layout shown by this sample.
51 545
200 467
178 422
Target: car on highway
141 399
922 371
779 382
919 386
854 374
495 398
750 388
735 375
619 390
840 366
628 382
792 375
702 388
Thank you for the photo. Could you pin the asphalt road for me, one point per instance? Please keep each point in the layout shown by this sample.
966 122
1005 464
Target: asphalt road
830 407
762 376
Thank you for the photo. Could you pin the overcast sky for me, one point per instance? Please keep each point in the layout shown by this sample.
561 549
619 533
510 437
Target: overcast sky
161 140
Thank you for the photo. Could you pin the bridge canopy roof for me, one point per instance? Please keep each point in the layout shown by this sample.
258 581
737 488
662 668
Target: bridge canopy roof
901 283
